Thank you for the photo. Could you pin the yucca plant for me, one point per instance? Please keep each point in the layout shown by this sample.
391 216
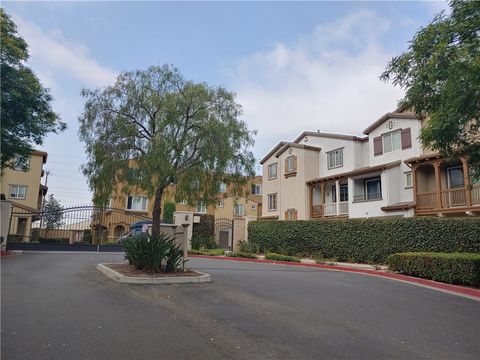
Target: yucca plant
149 253
175 259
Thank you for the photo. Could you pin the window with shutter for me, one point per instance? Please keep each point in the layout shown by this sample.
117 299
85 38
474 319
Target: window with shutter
377 146
406 139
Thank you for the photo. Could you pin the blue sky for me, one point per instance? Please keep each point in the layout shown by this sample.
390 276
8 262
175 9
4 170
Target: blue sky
295 66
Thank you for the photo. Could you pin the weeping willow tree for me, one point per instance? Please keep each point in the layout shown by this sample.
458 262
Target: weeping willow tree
154 128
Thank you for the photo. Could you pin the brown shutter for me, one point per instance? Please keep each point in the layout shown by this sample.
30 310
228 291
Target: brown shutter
377 146
286 165
406 139
295 215
286 215
295 163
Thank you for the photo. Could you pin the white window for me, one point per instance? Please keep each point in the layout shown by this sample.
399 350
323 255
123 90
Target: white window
408 179
137 203
291 214
222 187
256 189
201 208
254 206
272 202
343 193
20 165
373 189
291 166
272 171
220 204
183 202
335 158
18 191
392 141
239 210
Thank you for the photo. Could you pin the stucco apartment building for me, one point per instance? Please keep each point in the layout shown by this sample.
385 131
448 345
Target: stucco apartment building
384 172
138 204
22 187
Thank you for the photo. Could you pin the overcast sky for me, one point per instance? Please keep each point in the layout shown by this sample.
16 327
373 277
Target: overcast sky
294 66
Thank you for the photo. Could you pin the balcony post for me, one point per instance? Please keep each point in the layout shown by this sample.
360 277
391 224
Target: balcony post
337 191
438 185
414 183
466 181
322 186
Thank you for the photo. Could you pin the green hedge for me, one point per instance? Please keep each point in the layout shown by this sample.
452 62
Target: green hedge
281 257
366 240
454 268
242 255
209 252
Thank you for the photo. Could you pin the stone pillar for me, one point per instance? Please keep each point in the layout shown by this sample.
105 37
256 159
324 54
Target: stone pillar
239 232
5 214
185 217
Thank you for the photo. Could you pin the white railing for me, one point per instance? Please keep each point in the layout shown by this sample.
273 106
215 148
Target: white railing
330 210
344 207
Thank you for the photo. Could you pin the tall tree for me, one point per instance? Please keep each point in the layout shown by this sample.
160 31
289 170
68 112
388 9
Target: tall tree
26 111
153 128
52 213
441 75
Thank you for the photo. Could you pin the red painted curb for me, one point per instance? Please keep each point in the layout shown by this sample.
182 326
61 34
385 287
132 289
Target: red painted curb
4 253
409 279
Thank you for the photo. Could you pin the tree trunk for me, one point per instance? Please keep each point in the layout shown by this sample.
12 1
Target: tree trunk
157 211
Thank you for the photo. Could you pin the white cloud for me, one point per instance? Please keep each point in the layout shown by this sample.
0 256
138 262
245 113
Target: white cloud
53 54
327 80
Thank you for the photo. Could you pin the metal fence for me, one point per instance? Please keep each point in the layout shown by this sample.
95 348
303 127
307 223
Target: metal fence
74 225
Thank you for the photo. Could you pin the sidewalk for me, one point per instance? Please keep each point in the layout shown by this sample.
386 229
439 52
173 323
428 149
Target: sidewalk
464 291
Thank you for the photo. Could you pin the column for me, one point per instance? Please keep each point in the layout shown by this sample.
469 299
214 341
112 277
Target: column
337 190
414 182
438 186
466 181
322 186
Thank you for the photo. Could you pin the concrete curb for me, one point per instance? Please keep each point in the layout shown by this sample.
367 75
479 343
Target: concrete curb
466 292
115 275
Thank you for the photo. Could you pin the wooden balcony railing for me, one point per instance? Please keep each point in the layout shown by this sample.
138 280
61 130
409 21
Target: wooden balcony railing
426 200
450 198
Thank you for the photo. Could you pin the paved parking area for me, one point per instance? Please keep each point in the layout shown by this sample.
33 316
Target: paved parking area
57 306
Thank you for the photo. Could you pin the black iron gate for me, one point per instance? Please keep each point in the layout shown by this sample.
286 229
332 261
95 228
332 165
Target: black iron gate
73 225
224 233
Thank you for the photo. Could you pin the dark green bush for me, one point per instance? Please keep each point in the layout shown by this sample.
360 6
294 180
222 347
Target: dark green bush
281 257
242 255
153 253
453 268
211 252
206 226
168 210
87 236
53 240
204 242
248 247
366 240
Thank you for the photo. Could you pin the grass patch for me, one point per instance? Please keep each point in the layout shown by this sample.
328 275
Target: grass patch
243 255
207 252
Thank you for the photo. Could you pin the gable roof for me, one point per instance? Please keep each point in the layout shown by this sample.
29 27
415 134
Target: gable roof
396 115
295 145
329 135
273 151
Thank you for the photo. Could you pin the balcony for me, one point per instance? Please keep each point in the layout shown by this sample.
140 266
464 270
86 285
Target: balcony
330 210
450 199
368 197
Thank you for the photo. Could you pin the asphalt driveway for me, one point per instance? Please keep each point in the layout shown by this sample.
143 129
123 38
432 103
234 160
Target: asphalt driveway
58 306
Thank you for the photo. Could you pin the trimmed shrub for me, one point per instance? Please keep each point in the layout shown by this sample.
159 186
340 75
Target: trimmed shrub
366 240
248 247
204 242
53 240
454 268
242 255
281 257
212 252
